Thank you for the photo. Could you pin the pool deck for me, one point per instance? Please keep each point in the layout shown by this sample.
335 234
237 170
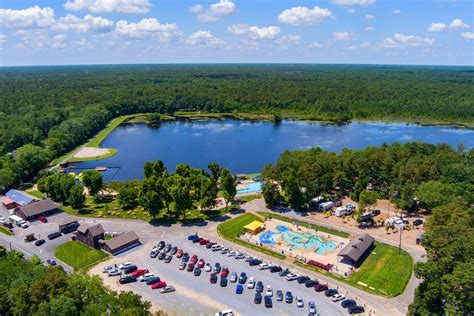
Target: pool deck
302 253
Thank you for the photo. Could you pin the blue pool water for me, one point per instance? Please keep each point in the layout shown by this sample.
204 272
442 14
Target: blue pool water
268 237
282 228
251 187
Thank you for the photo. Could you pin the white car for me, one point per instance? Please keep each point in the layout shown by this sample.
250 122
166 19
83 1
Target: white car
299 302
292 276
231 253
145 277
106 269
216 247
227 312
251 283
24 225
224 250
263 266
337 297
2 220
125 265
207 267
113 272
269 291
248 258
239 255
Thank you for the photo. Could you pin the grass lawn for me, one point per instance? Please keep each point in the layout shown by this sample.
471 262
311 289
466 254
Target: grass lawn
78 255
36 193
249 198
385 270
234 227
5 231
306 224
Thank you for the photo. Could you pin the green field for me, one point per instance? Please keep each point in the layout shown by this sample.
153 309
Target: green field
305 224
234 227
386 271
79 255
249 198
5 231
36 193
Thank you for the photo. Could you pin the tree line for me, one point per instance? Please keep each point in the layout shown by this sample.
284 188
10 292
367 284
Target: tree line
30 288
59 108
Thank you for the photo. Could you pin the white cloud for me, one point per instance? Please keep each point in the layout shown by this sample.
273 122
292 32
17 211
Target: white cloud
316 45
109 6
341 36
370 16
3 38
39 39
304 15
402 41
147 28
215 11
34 17
203 38
351 11
363 3
82 43
396 11
365 44
436 27
458 24
58 41
254 32
369 28
89 23
467 35
288 39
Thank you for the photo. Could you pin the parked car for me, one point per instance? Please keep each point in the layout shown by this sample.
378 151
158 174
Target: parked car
106 269
179 253
127 279
193 259
158 285
227 312
310 283
367 224
190 267
224 272
113 272
203 242
152 280
197 271
39 242
302 279
288 297
375 212
337 297
213 278
251 283
239 289
167 248
217 267
274 269
254 262
216 247
356 310
130 269
167 289
233 277
299 302
239 255
311 308
269 291
174 250
200 263
330 292
54 235
224 250
417 222
168 258
185 257
258 298
320 287
145 277
192 237
242 278
196 240
268 302
154 253
263 266
210 244
348 303
292 276
223 281
207 267
283 273
161 245
3 220
182 265
259 287
42 218
232 253
162 255
279 296
139 272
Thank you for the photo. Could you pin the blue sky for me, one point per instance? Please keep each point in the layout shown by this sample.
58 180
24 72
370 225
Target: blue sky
53 32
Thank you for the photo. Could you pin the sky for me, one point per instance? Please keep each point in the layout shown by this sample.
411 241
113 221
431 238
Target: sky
61 32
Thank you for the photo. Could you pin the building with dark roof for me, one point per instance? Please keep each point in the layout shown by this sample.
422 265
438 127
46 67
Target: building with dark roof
121 243
91 235
69 224
14 198
357 249
36 209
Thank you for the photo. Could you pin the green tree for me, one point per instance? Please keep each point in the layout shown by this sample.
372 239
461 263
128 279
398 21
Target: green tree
180 194
293 191
76 196
150 195
29 160
367 198
209 192
228 186
155 168
435 193
92 179
127 197
271 194
215 169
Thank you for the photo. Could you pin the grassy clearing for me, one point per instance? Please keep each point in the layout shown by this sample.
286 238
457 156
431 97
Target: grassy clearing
112 152
36 193
306 224
385 270
232 228
249 198
5 231
78 255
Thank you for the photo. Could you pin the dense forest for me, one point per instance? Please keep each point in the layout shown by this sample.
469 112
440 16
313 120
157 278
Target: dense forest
58 108
30 288
437 178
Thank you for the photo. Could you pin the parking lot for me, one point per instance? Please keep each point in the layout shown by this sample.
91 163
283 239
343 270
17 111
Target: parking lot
196 293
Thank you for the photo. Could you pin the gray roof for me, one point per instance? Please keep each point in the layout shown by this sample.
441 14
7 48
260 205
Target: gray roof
356 248
121 240
95 230
39 207
69 220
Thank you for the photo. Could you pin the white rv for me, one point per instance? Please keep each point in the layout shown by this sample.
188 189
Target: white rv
326 206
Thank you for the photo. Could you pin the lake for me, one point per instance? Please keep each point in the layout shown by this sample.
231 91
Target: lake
245 147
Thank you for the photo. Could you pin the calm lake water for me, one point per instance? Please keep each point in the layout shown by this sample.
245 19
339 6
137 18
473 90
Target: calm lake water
245 147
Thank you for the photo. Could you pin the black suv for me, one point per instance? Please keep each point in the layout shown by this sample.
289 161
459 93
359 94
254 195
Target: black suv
130 269
54 235
274 269
127 279
288 297
311 283
254 262
302 279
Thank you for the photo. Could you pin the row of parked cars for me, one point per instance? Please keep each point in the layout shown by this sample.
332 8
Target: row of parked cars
333 294
129 273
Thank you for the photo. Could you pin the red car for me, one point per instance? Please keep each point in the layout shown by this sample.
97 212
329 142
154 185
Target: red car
179 254
139 272
224 272
200 263
194 259
190 267
203 241
158 285
42 218
320 287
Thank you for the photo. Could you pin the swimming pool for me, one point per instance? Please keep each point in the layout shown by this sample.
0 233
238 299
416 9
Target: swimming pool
251 187
297 240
